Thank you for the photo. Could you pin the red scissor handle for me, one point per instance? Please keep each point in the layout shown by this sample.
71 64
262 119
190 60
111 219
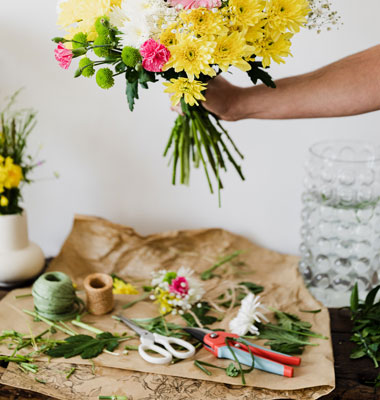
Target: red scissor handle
214 340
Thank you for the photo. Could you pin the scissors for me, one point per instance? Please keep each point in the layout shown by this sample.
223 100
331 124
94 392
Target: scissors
148 340
264 359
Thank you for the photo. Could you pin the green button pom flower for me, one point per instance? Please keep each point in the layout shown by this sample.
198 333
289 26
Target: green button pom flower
102 26
104 78
87 67
79 40
130 56
103 41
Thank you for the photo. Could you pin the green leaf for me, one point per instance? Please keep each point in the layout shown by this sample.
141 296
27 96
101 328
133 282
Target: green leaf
84 345
354 301
132 92
120 67
256 73
312 311
371 296
252 287
201 313
146 76
231 370
358 354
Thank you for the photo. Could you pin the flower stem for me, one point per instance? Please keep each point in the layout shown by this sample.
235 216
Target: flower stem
51 323
87 327
208 273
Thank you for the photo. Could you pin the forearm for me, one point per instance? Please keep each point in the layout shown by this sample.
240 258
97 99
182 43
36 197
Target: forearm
347 87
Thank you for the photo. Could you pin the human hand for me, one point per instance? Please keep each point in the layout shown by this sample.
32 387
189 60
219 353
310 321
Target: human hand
222 99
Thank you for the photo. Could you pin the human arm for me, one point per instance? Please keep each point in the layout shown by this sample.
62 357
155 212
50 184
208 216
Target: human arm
347 87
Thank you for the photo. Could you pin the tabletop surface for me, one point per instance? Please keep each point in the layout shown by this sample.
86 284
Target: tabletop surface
352 376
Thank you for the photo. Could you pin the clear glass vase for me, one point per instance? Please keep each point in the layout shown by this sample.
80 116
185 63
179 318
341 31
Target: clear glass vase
341 220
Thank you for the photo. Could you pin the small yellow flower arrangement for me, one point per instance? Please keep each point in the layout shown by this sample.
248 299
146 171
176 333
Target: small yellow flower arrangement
15 163
120 286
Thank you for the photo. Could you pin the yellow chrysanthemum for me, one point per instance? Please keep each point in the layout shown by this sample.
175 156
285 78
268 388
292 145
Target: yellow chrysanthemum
203 22
3 201
254 34
182 87
121 287
162 299
191 55
231 50
80 16
13 174
246 12
270 49
283 15
168 36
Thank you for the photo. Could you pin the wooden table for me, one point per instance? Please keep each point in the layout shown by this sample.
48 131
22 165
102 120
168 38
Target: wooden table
352 376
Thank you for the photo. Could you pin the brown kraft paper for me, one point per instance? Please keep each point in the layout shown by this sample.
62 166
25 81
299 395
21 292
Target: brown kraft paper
96 245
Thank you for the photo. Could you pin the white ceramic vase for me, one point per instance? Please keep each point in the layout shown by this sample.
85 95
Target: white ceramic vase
20 259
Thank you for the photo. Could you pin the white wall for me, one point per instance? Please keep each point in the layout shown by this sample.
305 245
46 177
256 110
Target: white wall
110 159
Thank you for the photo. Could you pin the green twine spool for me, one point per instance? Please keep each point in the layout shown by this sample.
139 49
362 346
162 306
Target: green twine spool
54 297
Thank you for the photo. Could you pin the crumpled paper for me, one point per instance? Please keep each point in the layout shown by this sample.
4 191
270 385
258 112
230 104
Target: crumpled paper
96 245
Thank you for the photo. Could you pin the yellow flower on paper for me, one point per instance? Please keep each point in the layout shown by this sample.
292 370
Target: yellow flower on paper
191 55
246 12
3 201
283 15
231 50
203 22
182 87
120 287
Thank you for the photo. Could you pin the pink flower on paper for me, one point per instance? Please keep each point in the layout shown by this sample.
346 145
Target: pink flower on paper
155 55
188 4
63 56
179 286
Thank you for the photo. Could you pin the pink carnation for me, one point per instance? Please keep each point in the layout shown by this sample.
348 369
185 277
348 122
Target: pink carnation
188 4
179 286
63 56
155 55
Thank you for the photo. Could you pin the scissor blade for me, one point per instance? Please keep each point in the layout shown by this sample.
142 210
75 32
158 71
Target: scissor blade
140 331
198 333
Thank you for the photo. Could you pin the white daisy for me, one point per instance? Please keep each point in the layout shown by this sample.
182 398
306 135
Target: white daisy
117 17
248 314
140 20
134 32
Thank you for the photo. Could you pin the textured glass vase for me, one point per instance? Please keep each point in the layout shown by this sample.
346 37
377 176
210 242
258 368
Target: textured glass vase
341 220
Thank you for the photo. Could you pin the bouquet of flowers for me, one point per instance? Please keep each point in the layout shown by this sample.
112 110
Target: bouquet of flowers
176 291
186 43
15 164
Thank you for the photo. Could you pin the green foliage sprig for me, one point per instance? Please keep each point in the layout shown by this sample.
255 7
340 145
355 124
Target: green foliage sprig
209 273
290 334
366 325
